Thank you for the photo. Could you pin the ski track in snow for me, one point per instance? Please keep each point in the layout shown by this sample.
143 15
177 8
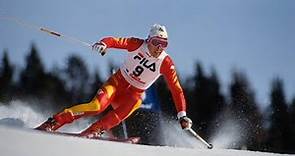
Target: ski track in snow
17 138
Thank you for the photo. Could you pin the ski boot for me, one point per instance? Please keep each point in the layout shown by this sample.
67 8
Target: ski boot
50 125
58 120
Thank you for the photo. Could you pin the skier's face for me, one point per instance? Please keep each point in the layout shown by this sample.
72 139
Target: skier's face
156 46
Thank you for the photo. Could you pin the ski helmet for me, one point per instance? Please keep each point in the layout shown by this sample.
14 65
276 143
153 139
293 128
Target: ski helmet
158 30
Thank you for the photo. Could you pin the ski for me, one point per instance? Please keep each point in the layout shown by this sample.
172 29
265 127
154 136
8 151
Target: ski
130 140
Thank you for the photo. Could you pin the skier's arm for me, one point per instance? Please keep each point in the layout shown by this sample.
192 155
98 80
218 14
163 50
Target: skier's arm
170 75
129 44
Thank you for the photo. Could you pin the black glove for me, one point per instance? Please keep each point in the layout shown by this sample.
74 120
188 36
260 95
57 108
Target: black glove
185 122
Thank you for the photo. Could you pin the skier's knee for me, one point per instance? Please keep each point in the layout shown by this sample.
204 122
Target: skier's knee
94 105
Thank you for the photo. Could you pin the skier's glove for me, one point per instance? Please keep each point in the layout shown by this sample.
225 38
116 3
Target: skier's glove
185 122
100 47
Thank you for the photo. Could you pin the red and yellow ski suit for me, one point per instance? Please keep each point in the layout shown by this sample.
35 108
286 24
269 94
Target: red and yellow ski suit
121 92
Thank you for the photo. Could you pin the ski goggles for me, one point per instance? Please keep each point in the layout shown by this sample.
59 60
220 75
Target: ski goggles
156 41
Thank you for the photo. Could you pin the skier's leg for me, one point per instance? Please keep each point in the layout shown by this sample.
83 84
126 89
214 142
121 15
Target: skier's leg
114 117
98 104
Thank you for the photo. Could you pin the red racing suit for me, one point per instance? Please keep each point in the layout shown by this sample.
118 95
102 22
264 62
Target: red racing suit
123 90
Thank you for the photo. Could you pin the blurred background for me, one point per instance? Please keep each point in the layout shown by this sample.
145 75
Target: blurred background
234 59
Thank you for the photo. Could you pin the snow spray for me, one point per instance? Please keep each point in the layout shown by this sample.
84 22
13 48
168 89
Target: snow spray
19 113
228 135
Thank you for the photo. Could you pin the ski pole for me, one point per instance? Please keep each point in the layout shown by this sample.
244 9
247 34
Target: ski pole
209 146
47 31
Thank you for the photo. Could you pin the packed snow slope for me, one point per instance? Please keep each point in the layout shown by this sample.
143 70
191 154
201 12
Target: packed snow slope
26 142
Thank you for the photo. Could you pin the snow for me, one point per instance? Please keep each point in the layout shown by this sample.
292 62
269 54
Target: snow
25 142
18 139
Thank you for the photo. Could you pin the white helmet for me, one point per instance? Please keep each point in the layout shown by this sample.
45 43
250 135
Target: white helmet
159 31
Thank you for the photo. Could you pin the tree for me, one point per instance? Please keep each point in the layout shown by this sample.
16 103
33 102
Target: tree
292 121
32 78
279 130
6 77
77 78
216 101
58 95
205 100
197 98
243 108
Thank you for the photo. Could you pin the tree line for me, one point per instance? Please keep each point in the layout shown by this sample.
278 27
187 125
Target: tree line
272 129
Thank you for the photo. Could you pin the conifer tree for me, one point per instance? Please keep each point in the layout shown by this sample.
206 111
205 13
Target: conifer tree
292 125
6 77
206 101
33 76
245 111
77 78
279 134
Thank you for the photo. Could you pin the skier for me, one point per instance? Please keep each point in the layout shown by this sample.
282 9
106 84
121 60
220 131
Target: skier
146 61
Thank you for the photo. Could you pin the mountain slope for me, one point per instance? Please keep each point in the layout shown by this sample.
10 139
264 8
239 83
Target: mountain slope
24 142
